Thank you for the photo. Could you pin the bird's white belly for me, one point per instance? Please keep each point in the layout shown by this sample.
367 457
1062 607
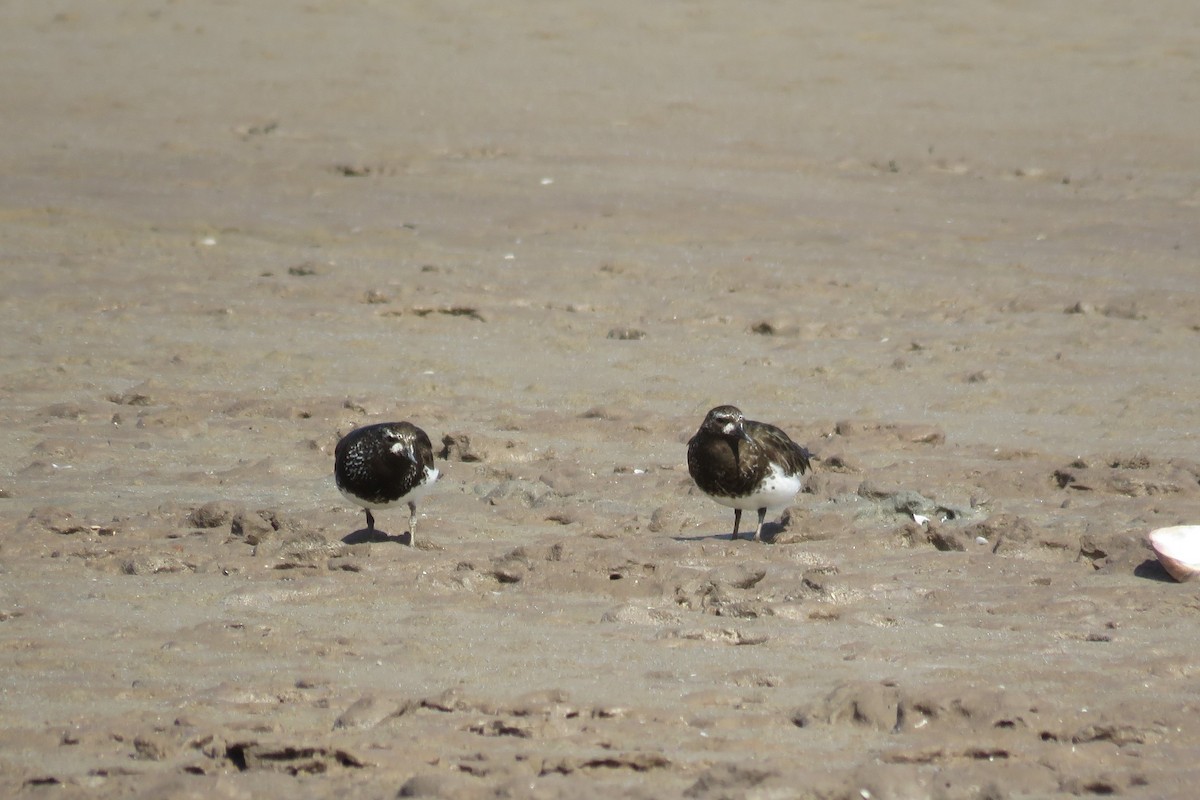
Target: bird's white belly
777 490
431 475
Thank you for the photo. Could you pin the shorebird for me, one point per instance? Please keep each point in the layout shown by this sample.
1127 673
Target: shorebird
745 464
384 465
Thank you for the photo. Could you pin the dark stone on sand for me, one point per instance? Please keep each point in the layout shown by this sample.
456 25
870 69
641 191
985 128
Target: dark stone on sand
1135 461
152 564
294 759
819 580
626 334
763 328
457 447
152 748
55 520
847 427
637 762
609 413
131 397
1068 479
450 311
945 539
839 462
253 526
1130 476
512 567
213 514
509 572
858 703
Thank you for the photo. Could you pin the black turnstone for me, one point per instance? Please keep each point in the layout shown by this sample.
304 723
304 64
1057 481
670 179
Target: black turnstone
745 464
383 465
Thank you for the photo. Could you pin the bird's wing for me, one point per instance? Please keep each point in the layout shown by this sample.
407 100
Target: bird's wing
796 458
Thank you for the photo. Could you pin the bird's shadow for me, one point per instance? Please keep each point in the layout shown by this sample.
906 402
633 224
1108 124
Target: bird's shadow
769 531
368 536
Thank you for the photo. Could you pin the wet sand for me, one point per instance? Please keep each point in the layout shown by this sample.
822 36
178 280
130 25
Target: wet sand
952 249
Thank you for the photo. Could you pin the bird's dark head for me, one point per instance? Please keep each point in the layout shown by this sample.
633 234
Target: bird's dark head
726 421
400 441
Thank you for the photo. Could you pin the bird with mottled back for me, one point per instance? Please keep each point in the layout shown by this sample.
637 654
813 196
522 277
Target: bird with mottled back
744 464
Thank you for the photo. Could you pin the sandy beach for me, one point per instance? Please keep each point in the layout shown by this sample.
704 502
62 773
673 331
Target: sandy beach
951 248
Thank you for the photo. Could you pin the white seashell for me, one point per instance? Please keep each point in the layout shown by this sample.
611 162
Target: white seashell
1178 550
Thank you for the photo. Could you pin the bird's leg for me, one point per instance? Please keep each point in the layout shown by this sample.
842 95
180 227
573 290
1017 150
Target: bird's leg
762 514
737 520
370 520
412 524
